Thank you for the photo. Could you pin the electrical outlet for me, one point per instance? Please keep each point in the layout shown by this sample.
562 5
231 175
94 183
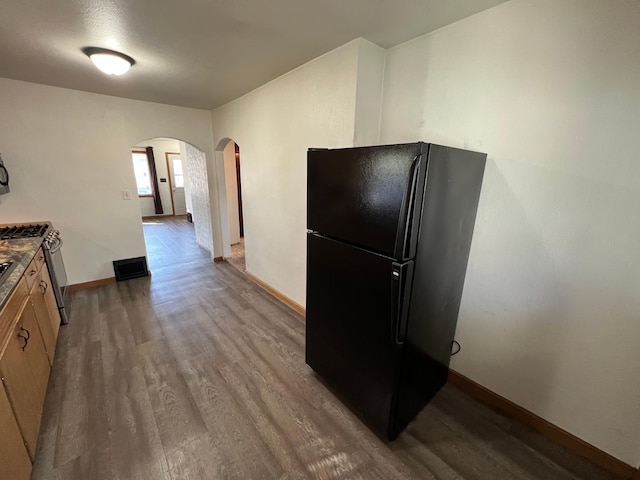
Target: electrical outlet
126 195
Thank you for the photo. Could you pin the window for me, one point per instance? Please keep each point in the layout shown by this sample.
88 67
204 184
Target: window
178 174
141 169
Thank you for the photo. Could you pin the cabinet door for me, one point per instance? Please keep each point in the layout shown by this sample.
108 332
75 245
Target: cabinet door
39 303
25 369
14 460
50 299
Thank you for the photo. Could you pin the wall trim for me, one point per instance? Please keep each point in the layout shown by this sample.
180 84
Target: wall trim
279 295
547 429
218 259
93 283
160 215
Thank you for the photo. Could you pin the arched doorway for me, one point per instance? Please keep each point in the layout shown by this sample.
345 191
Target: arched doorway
173 195
233 195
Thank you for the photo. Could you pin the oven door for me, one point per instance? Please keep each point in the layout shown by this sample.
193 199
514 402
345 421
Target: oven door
59 283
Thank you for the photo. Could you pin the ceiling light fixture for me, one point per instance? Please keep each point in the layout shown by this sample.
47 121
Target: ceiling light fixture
109 61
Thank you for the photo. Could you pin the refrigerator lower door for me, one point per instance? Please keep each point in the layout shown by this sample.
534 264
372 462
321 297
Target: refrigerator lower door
355 304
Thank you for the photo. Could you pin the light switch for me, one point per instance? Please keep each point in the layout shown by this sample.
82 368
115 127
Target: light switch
126 195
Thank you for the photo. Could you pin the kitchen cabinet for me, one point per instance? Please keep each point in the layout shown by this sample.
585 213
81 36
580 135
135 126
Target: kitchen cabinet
31 273
24 367
46 308
14 460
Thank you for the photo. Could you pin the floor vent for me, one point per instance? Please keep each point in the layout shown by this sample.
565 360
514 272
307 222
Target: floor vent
130 268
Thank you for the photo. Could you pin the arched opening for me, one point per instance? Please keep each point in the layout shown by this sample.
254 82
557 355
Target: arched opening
228 166
233 196
173 195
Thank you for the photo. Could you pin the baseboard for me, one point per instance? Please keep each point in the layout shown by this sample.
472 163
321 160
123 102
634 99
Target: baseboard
151 217
556 434
218 259
280 296
93 283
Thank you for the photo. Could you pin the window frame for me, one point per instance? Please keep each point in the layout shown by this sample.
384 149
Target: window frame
145 195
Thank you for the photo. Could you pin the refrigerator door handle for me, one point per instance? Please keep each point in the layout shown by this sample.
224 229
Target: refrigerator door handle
415 168
401 277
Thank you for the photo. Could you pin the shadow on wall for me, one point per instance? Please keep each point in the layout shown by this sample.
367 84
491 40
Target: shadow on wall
515 293
554 295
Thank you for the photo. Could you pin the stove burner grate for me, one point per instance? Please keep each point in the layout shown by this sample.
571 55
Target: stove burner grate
23 231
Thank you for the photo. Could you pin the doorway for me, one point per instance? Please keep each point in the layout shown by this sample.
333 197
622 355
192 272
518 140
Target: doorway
176 182
173 194
233 183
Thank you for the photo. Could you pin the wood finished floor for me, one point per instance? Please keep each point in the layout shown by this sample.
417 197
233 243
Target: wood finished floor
198 374
237 256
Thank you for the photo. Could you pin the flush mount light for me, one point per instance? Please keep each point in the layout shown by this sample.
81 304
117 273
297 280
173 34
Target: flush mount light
109 61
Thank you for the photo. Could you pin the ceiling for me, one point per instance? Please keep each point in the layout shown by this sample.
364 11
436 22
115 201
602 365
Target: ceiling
200 53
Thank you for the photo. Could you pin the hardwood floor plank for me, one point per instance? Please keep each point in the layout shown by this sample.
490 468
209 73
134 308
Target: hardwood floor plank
235 438
177 416
196 373
83 432
139 456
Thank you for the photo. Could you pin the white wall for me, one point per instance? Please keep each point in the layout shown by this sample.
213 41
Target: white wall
69 154
160 148
311 106
551 90
196 167
370 78
231 183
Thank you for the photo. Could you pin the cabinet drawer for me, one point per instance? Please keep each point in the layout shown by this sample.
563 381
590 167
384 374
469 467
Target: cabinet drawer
39 258
31 274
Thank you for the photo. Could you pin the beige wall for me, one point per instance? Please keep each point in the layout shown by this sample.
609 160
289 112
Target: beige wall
370 78
313 105
69 154
551 91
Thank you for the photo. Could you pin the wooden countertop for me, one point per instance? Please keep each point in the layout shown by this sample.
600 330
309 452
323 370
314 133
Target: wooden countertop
21 251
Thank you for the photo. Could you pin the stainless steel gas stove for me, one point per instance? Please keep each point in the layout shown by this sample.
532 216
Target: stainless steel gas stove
51 246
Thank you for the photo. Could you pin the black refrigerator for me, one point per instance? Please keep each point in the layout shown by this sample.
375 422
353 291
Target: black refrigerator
389 233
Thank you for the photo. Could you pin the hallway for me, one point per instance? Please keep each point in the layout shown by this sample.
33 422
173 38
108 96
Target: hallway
170 241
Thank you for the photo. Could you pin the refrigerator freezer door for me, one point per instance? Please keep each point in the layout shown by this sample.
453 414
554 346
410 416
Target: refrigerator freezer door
368 196
352 337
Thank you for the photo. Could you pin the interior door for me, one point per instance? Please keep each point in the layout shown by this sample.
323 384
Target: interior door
352 325
176 179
